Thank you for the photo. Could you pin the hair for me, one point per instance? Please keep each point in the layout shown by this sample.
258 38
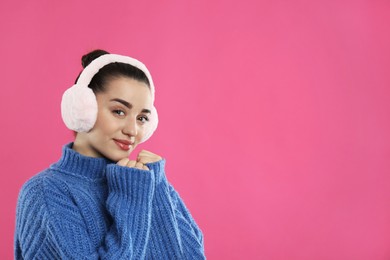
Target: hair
110 71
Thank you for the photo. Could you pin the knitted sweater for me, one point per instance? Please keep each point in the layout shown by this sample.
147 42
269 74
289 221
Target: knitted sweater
91 208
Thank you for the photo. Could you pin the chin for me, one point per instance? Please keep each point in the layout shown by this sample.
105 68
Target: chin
118 155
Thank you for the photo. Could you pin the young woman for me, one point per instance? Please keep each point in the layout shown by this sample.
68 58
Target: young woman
95 203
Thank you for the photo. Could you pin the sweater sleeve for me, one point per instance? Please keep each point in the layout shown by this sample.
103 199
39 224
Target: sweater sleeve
172 222
50 225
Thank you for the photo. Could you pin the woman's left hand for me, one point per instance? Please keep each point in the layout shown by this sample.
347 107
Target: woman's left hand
143 158
148 157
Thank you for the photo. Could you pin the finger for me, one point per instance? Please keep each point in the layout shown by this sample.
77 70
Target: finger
148 157
145 168
139 165
144 156
146 152
131 163
144 160
123 162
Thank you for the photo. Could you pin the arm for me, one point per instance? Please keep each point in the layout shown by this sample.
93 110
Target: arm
171 220
51 226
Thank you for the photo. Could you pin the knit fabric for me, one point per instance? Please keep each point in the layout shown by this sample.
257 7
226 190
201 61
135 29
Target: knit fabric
91 208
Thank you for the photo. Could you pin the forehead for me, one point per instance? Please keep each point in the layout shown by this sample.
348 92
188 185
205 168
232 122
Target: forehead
133 91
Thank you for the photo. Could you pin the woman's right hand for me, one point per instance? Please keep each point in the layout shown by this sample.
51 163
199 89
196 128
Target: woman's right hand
126 162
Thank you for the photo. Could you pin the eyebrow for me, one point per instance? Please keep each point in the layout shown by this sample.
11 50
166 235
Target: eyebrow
128 105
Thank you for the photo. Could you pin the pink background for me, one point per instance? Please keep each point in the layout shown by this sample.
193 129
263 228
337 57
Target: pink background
274 115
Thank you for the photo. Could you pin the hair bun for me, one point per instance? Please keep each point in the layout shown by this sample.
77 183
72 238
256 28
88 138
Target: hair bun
89 57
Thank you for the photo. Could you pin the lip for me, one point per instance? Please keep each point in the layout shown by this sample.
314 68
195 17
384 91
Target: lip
123 144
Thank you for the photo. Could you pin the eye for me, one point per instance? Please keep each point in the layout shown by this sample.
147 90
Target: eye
143 119
118 112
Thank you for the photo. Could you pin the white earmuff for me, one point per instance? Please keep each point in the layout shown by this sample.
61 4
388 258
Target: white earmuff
79 106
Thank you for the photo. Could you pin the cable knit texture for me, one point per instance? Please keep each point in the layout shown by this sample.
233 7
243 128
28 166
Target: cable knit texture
91 208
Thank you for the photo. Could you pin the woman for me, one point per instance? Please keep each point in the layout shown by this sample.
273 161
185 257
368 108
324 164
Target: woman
95 203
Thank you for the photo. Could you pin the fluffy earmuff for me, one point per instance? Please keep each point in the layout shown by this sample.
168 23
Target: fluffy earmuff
79 106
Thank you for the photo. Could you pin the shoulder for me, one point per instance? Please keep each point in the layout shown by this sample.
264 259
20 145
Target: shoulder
34 184
42 196
31 201
34 189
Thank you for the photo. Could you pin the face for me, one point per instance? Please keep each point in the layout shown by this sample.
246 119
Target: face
123 114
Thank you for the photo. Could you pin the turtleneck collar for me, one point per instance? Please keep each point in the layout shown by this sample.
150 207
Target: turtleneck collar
78 164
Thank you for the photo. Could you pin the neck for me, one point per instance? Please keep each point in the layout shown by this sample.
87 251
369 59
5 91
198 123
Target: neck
81 146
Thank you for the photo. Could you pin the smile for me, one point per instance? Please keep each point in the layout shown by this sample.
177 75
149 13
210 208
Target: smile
123 144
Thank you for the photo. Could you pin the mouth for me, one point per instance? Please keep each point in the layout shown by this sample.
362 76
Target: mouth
123 144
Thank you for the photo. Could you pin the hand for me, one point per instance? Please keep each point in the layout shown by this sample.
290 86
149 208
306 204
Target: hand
148 157
126 162
143 158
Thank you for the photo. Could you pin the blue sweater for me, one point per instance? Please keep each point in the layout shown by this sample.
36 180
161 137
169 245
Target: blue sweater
91 208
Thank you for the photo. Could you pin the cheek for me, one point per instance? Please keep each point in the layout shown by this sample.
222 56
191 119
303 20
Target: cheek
111 127
141 133
106 124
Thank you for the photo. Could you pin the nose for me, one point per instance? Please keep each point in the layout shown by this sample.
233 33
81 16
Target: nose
131 127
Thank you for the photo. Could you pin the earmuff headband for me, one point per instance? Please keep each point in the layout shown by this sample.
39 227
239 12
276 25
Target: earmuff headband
79 106
98 63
